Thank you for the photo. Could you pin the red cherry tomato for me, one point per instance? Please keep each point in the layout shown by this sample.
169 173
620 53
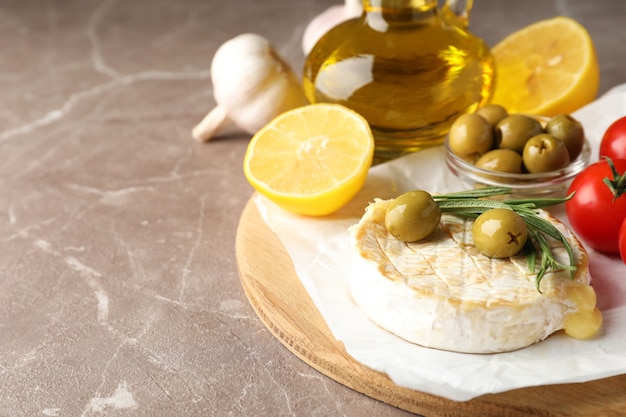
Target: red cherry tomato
596 212
622 241
613 142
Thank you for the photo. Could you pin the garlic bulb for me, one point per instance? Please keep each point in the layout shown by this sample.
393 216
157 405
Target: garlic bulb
252 85
328 19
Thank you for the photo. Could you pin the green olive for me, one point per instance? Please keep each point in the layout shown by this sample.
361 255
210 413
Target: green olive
501 160
470 136
545 153
412 216
493 113
499 233
514 131
569 131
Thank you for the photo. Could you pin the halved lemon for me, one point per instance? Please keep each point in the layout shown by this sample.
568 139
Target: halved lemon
311 160
547 68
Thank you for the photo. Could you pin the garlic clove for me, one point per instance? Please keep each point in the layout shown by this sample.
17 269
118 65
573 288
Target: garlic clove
328 19
252 84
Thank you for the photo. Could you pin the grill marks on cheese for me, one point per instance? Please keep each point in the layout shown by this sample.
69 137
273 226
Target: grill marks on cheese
448 264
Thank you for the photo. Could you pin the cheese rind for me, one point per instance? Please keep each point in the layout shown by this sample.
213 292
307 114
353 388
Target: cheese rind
442 293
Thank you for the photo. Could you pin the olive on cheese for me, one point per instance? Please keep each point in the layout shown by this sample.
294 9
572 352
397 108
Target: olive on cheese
499 233
412 216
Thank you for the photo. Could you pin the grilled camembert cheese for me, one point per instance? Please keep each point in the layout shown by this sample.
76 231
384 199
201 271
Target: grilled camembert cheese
442 293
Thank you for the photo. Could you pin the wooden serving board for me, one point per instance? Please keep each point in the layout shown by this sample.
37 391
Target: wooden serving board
283 305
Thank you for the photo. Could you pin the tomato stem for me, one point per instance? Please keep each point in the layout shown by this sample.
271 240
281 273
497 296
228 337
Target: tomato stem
618 184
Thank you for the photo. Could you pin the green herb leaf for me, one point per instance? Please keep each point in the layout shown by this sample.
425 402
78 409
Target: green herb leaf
531 255
474 193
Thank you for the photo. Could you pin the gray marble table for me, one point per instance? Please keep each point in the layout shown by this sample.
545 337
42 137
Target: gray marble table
119 289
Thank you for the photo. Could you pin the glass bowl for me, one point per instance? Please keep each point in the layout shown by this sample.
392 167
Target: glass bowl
547 184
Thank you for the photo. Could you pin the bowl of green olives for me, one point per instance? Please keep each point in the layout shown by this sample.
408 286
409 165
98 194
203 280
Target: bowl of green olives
532 155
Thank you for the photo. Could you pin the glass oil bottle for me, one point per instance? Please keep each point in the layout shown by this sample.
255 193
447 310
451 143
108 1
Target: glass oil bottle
409 67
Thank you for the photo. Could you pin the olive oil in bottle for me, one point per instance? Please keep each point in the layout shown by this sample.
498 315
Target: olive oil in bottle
409 67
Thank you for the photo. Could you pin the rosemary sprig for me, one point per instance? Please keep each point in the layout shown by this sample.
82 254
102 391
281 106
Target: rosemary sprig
474 193
472 203
539 242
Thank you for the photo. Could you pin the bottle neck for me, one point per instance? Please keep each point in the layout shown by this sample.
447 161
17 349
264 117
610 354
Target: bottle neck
381 13
396 6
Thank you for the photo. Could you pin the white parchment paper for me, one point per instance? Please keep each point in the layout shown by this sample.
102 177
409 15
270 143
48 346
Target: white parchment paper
320 251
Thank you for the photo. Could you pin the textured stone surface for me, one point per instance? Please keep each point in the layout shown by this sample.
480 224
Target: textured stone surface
119 292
